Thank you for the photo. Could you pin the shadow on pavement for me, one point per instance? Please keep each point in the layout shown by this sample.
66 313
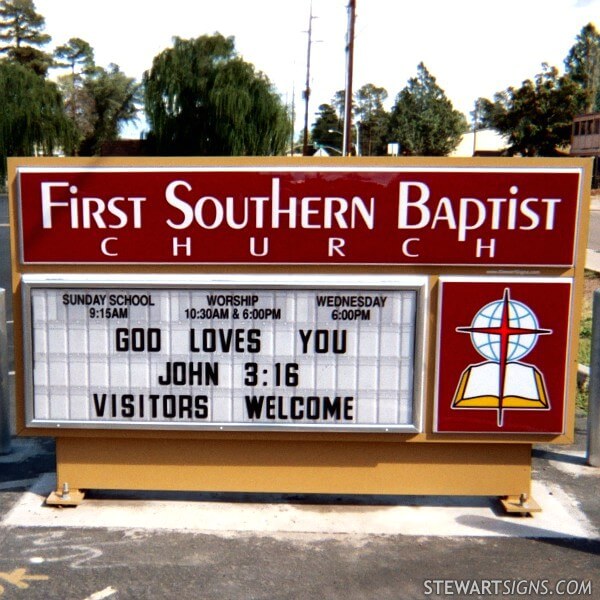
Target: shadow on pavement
525 530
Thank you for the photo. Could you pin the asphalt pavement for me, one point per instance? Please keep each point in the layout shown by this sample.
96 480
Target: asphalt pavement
239 546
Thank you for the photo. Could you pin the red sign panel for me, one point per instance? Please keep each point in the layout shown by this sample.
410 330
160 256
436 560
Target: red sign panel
502 355
427 216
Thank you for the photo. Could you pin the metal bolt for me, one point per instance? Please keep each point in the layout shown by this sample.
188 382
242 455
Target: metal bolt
65 491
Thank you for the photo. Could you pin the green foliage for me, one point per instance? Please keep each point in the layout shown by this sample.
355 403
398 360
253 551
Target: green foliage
327 130
423 120
369 117
113 96
369 99
78 102
250 119
21 28
582 64
372 119
585 340
80 109
201 99
537 117
32 119
339 103
76 52
97 104
97 100
176 90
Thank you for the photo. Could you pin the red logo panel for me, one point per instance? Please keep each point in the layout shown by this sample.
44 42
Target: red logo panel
502 355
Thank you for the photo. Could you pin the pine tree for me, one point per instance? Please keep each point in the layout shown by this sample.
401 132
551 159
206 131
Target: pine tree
372 119
76 52
582 64
327 130
423 120
21 30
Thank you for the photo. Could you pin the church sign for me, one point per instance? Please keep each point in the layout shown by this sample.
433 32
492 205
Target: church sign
264 317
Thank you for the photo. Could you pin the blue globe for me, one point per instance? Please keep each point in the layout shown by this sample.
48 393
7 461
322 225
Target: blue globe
519 315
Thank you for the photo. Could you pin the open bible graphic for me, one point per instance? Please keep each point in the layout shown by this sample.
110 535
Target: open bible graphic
503 332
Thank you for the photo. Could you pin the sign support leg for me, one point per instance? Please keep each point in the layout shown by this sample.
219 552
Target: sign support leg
523 504
65 497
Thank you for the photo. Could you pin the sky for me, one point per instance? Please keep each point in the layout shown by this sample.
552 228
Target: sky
474 48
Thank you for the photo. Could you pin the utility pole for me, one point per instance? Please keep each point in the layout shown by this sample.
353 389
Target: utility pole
293 118
347 141
306 92
475 126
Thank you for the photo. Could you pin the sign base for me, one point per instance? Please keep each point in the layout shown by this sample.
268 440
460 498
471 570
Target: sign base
521 505
71 498
294 466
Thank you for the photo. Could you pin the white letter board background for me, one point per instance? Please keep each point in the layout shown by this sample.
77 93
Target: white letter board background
74 356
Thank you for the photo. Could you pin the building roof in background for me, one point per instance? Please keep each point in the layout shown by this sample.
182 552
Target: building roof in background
488 142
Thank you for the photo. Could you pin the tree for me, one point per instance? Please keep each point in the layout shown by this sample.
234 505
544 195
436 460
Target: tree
97 100
114 97
80 108
21 28
582 64
339 103
327 129
537 117
369 117
477 119
372 119
202 99
250 117
369 99
76 52
423 120
78 56
32 119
